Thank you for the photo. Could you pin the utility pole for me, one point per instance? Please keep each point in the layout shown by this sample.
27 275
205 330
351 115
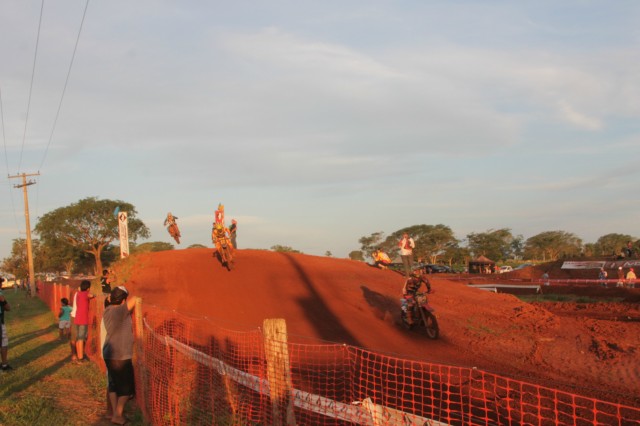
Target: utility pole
32 278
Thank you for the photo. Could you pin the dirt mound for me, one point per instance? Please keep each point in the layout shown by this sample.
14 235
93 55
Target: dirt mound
350 302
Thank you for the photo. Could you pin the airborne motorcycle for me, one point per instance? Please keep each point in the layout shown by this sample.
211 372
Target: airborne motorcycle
422 314
174 232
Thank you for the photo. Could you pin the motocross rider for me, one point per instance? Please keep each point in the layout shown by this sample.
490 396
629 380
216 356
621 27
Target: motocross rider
170 220
409 290
220 233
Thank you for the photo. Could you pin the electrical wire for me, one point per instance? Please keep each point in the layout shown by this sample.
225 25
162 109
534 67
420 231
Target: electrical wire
6 161
33 72
55 121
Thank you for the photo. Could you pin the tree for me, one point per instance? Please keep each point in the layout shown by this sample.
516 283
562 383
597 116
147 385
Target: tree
284 249
152 247
197 246
356 255
456 255
369 244
611 244
17 263
328 253
494 244
89 225
550 245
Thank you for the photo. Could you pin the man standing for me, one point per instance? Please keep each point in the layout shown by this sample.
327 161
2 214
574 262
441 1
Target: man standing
233 230
407 245
4 339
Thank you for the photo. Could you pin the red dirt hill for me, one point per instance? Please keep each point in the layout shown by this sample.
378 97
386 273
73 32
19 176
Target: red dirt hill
350 302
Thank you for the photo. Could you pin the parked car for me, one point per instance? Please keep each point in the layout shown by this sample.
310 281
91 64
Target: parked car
505 268
433 268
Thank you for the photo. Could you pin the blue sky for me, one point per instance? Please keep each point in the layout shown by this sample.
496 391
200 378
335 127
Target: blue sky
317 123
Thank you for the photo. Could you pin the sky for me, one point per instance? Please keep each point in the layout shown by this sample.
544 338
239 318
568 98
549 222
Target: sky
318 123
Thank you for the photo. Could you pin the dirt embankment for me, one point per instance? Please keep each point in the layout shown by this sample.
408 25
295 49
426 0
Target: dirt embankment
350 302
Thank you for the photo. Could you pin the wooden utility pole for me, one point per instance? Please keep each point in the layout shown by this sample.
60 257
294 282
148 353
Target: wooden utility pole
32 278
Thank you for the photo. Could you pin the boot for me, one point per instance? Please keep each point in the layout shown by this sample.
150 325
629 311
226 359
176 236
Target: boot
409 317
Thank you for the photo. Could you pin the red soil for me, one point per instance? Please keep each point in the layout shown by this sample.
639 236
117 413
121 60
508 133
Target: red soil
350 302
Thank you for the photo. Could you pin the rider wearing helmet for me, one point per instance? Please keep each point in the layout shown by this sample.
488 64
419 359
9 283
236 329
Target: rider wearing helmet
410 288
220 233
170 220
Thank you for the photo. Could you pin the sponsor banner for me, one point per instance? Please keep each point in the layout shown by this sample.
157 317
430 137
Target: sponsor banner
585 264
123 230
615 264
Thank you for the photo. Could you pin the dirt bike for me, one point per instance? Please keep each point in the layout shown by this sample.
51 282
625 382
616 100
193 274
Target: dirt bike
223 248
423 315
174 232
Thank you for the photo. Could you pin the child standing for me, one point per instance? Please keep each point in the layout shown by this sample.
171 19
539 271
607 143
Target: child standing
81 320
64 325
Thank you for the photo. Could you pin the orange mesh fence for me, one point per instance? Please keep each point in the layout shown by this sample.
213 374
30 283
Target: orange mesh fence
192 371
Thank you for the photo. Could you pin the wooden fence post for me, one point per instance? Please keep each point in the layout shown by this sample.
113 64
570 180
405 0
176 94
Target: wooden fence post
278 371
138 360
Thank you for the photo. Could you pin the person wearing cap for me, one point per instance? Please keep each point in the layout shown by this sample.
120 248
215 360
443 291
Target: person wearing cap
631 276
620 282
117 351
232 233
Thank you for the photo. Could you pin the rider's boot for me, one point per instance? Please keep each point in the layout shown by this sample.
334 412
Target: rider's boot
409 317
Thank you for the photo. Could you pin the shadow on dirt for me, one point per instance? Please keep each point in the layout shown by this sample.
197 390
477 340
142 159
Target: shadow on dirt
318 313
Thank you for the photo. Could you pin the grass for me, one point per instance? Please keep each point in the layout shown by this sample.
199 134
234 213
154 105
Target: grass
45 387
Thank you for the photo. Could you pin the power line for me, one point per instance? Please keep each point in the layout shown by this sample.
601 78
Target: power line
33 72
55 121
6 160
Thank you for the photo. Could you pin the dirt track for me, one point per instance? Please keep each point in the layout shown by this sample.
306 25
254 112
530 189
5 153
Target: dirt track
349 302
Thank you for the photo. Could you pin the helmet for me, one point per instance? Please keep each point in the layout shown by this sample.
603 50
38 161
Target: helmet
416 272
234 221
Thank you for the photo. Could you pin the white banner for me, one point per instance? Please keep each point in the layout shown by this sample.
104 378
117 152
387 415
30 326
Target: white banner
585 264
123 230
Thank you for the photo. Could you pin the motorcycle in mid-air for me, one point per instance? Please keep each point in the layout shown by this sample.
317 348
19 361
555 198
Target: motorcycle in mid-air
422 314
174 232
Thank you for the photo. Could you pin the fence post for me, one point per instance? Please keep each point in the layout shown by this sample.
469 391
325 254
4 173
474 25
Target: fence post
141 395
278 371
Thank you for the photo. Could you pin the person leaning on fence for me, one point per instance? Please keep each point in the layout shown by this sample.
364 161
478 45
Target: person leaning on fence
4 339
602 276
631 276
620 282
117 351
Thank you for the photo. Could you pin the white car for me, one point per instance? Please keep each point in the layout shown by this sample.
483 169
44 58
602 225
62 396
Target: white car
505 268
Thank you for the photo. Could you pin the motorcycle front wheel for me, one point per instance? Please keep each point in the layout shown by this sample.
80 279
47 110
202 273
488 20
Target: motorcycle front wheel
429 324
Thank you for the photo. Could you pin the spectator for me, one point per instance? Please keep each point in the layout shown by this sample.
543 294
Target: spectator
620 282
381 259
233 230
545 278
628 251
4 339
81 321
64 324
407 245
631 276
117 351
602 276
105 282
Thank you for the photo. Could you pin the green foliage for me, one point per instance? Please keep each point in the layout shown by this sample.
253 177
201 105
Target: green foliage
89 225
152 247
196 246
494 244
328 253
551 245
356 255
369 244
611 244
284 249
